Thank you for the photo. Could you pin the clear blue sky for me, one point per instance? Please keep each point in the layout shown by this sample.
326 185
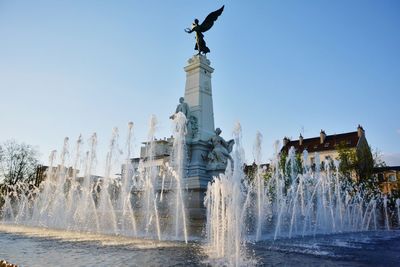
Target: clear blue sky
281 67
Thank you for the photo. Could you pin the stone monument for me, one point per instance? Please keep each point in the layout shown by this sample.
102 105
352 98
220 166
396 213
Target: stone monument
208 152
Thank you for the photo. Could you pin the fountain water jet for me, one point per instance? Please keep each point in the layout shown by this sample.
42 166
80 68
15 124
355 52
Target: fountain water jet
398 211
179 155
385 207
127 221
227 201
259 187
147 186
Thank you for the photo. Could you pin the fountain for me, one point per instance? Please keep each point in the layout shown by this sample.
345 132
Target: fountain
200 185
105 204
300 203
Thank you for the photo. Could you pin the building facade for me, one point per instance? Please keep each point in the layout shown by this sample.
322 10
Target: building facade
388 178
326 147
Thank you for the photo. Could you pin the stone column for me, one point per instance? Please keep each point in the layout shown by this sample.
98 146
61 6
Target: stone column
198 95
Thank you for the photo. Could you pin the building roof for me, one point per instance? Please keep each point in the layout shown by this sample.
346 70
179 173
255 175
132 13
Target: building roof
158 141
331 142
386 168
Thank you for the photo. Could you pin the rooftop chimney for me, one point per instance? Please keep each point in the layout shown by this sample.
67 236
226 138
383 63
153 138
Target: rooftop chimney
360 131
300 140
285 141
322 136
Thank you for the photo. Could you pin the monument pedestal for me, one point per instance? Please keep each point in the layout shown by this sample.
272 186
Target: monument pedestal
196 182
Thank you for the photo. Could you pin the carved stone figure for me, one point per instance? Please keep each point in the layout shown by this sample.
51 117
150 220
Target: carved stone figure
203 27
191 121
193 126
219 154
182 107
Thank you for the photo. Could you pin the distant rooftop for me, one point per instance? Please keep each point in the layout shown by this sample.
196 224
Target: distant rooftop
386 168
324 142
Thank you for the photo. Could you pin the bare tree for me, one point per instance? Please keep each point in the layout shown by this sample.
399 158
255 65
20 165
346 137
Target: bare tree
18 162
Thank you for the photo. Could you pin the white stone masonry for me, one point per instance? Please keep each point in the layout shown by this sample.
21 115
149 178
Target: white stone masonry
198 95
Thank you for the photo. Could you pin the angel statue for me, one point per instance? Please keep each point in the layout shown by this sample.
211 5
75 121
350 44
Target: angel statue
205 26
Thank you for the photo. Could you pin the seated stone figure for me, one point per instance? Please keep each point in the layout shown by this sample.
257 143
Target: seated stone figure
218 156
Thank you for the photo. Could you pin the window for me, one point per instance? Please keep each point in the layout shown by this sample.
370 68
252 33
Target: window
392 177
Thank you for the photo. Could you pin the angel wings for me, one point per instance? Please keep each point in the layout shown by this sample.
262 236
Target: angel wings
203 27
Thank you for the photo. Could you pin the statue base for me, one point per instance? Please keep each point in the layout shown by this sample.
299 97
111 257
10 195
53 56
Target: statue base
196 182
